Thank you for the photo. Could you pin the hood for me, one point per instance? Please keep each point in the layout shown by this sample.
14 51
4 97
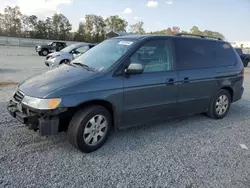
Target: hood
43 84
54 54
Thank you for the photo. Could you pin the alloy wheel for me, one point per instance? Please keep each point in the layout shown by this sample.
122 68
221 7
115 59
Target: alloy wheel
95 130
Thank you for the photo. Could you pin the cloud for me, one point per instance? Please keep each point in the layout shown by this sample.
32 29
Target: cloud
82 19
41 8
127 11
138 18
152 4
169 2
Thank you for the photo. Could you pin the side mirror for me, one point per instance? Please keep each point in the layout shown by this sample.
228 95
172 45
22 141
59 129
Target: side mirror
134 68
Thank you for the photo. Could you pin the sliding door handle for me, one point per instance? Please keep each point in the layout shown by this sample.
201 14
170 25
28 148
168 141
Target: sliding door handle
170 81
185 80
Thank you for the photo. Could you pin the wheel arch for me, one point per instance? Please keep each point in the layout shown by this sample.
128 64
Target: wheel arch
63 60
106 104
230 90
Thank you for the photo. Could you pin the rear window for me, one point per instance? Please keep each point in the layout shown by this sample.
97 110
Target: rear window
195 53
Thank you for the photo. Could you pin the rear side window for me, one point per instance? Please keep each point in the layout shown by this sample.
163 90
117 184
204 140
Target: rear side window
195 54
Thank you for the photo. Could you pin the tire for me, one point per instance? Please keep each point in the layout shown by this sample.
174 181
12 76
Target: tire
222 95
245 62
44 52
40 54
80 134
64 61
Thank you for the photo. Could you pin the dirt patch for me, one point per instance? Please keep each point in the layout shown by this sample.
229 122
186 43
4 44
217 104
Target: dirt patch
2 84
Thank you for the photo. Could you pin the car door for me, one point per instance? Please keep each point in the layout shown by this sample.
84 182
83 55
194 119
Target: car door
53 47
151 95
196 75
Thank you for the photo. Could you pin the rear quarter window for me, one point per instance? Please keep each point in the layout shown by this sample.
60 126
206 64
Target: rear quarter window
224 54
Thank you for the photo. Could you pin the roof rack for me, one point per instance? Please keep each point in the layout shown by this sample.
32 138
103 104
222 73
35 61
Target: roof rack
202 36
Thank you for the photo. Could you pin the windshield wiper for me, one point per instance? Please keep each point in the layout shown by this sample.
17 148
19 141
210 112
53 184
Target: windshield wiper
80 64
83 65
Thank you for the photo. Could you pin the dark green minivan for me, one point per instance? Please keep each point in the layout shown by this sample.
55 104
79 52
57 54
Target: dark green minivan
128 81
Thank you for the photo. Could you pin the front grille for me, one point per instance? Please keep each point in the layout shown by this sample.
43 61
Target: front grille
18 96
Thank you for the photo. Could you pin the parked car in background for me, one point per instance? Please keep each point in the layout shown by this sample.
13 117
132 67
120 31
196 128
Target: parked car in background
244 57
128 81
44 50
67 54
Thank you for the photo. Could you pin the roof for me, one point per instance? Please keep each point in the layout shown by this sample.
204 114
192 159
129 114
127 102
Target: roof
120 33
138 37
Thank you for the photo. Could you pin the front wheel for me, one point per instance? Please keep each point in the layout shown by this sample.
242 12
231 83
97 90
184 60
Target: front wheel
220 105
89 128
44 52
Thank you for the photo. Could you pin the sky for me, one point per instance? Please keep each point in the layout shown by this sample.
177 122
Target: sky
230 17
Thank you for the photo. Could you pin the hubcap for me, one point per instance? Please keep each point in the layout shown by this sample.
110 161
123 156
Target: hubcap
44 52
95 130
222 105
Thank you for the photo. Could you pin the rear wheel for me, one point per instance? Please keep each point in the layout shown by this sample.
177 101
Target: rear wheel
245 62
220 105
89 128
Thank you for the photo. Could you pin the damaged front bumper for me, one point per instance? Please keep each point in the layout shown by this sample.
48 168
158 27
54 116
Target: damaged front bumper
46 121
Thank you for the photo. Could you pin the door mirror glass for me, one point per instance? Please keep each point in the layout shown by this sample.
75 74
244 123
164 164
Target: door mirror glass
134 68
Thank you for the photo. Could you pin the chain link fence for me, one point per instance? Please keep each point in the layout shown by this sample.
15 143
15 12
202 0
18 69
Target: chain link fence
26 42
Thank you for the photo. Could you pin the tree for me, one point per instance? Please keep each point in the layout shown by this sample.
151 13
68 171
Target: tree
61 26
41 30
168 31
137 28
115 23
100 28
1 24
175 30
12 21
195 30
81 32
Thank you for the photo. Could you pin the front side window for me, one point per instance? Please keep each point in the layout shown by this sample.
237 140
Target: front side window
82 49
155 56
105 54
68 49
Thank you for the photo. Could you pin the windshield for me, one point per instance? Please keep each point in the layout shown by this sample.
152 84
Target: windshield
69 48
104 55
50 43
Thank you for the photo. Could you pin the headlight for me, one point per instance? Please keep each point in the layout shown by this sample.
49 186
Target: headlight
53 57
41 104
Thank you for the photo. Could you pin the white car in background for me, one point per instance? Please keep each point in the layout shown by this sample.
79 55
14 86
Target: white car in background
67 54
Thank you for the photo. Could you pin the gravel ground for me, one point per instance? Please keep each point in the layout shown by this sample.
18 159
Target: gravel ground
184 153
